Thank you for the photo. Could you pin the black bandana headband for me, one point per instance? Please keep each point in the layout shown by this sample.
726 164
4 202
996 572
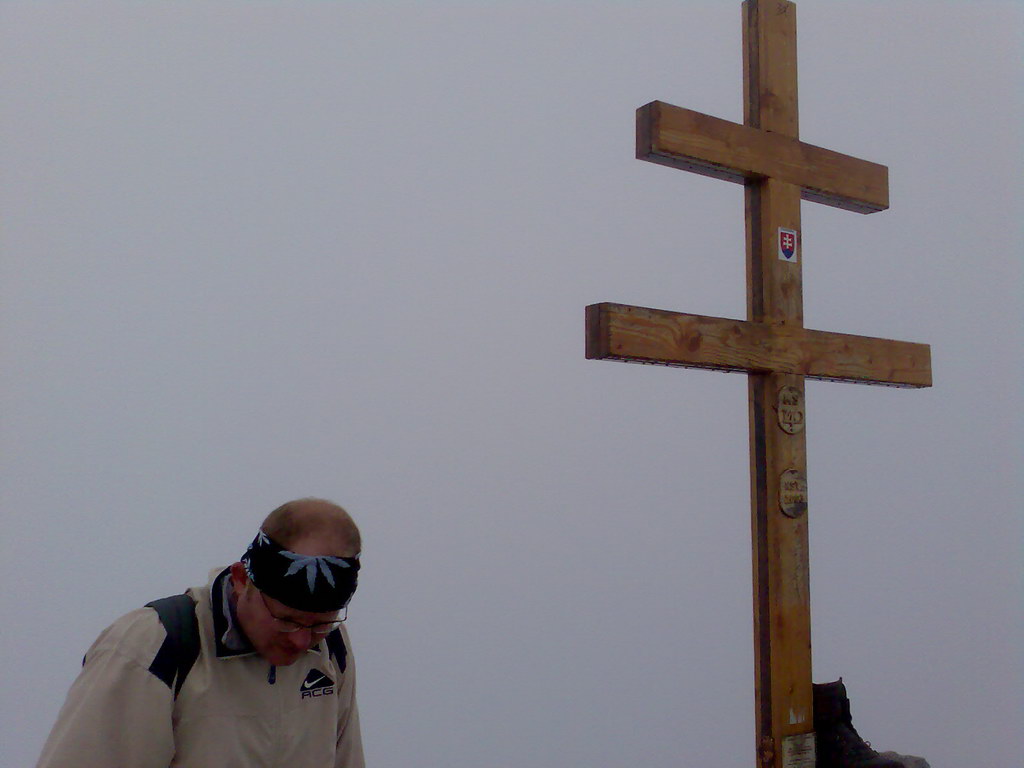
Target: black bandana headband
317 584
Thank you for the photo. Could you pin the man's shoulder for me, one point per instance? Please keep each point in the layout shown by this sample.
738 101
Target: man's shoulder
136 635
139 633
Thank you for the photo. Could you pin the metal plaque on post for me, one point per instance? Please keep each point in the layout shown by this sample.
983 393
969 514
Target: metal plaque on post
790 408
793 493
798 751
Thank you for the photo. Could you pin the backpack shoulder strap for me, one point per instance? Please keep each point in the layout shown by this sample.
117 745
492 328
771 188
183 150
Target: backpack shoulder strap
180 648
336 647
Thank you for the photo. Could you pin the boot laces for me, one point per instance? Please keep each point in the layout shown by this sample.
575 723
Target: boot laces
854 745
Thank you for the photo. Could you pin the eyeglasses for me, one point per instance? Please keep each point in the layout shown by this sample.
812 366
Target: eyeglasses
287 625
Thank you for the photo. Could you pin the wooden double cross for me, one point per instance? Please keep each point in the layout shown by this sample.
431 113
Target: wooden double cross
771 345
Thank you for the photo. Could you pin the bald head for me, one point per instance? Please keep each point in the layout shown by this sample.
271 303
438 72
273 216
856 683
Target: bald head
314 527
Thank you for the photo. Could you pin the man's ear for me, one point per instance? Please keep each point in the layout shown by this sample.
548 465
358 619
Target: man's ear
239 578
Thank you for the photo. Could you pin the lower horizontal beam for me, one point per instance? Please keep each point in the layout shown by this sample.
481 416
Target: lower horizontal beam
637 334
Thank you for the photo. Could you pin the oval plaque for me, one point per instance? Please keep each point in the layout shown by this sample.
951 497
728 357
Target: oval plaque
793 493
791 410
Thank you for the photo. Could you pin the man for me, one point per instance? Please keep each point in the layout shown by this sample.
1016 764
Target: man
273 683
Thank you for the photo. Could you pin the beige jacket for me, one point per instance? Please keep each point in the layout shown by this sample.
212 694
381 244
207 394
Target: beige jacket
120 715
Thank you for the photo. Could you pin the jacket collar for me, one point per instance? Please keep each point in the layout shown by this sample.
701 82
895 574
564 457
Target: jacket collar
227 633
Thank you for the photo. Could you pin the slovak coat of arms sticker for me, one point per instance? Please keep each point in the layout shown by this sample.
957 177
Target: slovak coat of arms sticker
788 244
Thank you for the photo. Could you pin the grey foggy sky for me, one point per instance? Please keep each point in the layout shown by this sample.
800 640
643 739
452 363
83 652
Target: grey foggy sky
260 250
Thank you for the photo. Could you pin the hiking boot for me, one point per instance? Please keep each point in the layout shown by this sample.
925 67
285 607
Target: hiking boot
837 743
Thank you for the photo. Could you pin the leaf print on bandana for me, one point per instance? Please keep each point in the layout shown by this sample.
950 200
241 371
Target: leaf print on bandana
310 564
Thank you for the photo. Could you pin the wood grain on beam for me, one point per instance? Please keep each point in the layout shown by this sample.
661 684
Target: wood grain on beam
638 334
692 141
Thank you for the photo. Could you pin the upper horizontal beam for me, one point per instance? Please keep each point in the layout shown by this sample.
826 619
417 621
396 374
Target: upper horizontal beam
682 138
637 334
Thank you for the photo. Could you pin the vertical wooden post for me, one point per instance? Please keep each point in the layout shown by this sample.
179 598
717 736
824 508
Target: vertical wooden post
778 456
772 346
